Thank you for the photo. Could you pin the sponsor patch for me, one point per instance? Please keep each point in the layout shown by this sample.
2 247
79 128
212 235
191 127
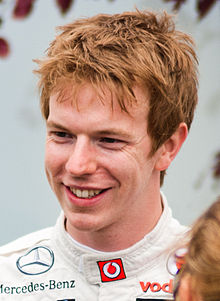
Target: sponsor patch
111 270
37 261
32 287
155 287
176 261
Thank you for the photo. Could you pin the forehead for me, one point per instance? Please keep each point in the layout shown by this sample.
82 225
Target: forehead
94 112
80 96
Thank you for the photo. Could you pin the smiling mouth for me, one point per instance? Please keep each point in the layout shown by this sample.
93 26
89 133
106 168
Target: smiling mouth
86 193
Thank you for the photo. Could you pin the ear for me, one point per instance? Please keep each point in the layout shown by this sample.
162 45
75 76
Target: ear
171 147
185 291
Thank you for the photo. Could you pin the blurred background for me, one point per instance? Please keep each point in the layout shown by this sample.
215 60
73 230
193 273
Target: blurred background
27 203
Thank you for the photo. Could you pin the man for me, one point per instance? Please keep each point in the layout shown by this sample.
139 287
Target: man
118 93
199 275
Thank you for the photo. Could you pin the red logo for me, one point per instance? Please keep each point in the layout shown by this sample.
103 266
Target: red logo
111 270
156 287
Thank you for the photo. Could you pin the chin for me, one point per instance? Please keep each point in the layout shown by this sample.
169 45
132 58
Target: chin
84 223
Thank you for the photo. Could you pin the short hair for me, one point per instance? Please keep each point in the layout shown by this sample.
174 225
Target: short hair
122 50
202 261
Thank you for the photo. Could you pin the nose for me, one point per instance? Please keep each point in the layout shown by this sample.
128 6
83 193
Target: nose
82 159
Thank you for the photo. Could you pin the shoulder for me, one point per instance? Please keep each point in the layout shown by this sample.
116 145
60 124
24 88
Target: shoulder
25 242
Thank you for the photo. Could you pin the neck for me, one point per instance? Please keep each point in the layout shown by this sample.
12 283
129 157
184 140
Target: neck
119 236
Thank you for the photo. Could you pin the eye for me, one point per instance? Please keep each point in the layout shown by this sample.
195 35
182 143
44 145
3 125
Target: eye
111 143
61 134
109 140
60 137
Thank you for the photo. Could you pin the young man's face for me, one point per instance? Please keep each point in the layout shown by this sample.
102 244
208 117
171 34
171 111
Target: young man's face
97 160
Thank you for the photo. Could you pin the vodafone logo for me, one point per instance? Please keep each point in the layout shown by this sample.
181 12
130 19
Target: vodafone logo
111 270
155 287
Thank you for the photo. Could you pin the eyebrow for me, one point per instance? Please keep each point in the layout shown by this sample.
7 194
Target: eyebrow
53 124
114 132
105 132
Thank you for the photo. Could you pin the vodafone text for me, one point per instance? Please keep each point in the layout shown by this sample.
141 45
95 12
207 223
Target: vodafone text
156 287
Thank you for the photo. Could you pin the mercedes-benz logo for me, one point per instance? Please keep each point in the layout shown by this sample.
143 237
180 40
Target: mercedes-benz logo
37 261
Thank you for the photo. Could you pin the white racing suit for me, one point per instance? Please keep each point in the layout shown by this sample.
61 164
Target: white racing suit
50 265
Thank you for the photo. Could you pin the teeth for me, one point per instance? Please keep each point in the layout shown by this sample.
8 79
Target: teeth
85 193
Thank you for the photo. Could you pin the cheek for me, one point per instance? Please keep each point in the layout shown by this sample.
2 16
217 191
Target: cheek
128 166
53 167
49 168
137 159
54 159
140 168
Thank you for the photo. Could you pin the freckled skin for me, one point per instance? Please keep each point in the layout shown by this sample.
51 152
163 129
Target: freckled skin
103 149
